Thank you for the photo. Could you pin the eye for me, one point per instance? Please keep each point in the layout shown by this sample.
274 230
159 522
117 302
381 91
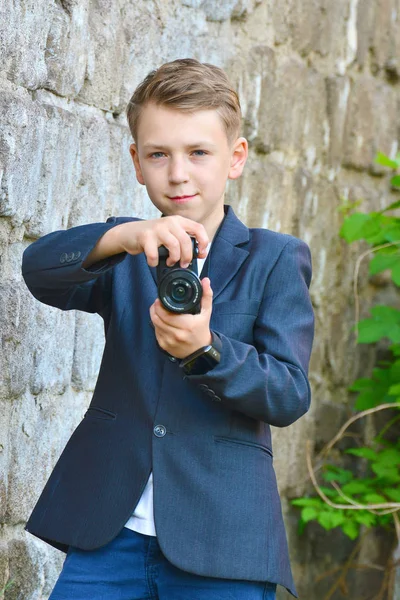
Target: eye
156 154
200 152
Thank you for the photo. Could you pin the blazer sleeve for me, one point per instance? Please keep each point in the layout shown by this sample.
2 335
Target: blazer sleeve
52 268
268 380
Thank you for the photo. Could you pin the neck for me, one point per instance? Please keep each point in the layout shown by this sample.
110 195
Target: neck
213 223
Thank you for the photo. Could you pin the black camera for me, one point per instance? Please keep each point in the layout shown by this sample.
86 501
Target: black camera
179 289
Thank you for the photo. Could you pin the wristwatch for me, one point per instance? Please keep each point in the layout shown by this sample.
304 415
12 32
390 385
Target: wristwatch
204 359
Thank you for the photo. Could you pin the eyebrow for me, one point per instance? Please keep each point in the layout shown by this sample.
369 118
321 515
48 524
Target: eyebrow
189 147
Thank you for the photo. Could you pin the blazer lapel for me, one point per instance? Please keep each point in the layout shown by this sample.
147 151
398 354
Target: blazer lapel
226 257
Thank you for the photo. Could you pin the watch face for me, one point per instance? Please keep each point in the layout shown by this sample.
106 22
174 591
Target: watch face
203 363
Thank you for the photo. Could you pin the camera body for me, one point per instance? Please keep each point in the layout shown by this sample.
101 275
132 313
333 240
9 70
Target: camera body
179 289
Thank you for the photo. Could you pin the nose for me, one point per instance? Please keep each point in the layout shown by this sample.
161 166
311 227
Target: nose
178 172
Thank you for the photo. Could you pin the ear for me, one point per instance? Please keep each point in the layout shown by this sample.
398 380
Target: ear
135 157
240 151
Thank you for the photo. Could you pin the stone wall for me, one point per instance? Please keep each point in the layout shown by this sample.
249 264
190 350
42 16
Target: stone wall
319 85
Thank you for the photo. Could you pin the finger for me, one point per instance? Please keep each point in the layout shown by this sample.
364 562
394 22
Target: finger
172 243
206 301
186 247
150 249
198 231
168 319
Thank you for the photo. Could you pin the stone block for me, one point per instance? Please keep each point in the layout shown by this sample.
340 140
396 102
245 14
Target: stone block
67 48
33 355
22 138
304 20
264 192
41 426
289 446
256 88
371 123
33 567
88 350
128 197
5 414
24 29
293 112
140 22
107 54
338 89
40 145
385 37
365 26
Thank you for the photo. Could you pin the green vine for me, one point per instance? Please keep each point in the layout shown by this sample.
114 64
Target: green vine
6 587
347 500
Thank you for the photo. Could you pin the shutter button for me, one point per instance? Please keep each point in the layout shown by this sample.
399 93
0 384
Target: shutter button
159 430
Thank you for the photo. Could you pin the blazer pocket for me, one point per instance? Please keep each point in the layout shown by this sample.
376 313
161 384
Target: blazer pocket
244 443
235 319
236 307
100 413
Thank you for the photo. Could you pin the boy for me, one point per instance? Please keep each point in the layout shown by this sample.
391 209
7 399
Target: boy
182 401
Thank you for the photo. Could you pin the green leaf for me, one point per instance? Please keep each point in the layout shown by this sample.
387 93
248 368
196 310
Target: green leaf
394 390
393 494
308 513
330 519
392 206
360 384
356 487
333 473
386 472
307 502
370 331
331 493
395 181
390 457
385 161
374 499
386 314
381 262
396 274
352 228
351 529
301 527
363 452
392 234
385 322
364 517
395 349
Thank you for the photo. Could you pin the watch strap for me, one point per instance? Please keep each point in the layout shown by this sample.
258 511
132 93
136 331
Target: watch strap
204 359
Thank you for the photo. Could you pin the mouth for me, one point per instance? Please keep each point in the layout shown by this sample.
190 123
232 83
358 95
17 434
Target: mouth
181 199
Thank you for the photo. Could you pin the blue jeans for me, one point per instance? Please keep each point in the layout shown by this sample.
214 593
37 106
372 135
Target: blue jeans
132 567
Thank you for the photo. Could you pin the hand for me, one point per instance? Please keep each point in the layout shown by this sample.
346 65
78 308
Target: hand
172 232
181 335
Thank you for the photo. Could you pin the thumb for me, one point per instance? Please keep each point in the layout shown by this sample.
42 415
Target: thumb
206 301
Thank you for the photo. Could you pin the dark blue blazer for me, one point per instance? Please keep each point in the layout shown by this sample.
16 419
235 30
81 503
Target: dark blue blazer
216 504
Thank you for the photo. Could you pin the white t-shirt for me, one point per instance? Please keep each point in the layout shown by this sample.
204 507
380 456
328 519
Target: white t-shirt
142 520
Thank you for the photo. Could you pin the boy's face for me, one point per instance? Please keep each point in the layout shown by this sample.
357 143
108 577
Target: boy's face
184 160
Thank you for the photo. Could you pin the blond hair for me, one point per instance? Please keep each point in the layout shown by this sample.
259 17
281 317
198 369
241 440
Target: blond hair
188 85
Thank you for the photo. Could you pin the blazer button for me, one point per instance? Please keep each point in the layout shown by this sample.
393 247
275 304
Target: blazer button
203 386
70 257
63 257
77 255
172 358
159 430
217 398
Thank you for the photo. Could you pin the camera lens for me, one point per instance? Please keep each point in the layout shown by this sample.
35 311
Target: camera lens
180 291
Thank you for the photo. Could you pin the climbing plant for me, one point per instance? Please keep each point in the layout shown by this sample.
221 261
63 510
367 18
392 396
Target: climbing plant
347 500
